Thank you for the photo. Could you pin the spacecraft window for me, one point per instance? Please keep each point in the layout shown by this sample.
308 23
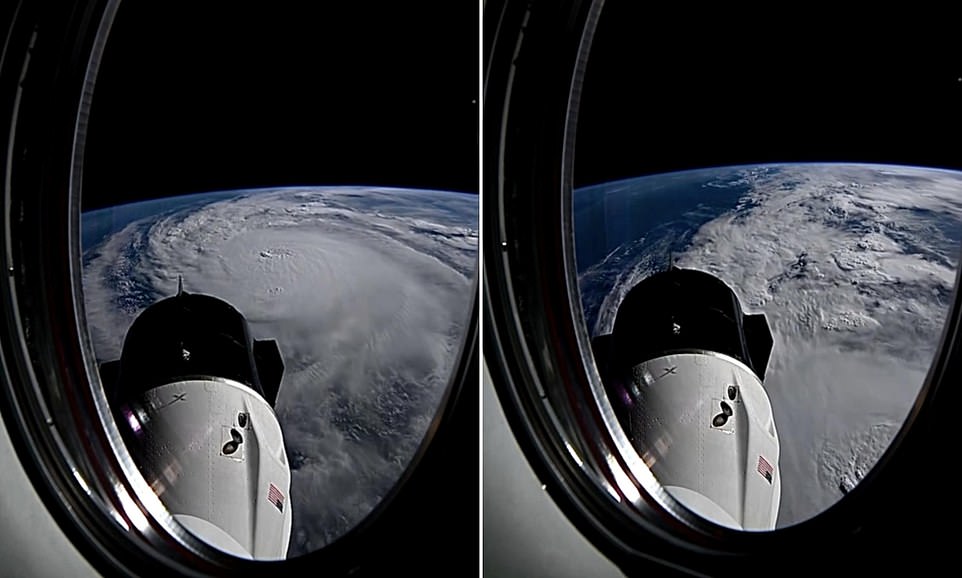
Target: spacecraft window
605 180
293 217
360 271
809 245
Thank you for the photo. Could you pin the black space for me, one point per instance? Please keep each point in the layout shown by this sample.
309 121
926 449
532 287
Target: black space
685 88
201 96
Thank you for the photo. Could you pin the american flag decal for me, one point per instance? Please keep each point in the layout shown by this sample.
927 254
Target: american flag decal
765 469
275 497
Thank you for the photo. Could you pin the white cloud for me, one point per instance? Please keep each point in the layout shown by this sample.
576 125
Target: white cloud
366 293
854 266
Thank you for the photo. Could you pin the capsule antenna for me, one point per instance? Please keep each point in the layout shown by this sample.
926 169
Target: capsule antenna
180 285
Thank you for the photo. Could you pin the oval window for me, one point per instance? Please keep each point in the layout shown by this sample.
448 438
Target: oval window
279 243
679 206
738 216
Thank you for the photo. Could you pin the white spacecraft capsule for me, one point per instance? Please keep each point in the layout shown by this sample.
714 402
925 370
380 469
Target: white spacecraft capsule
683 367
193 394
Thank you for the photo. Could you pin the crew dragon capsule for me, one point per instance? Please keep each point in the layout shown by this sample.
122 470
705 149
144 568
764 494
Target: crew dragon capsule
193 394
683 367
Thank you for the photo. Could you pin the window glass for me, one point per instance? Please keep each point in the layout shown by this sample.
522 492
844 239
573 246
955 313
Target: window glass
314 173
758 163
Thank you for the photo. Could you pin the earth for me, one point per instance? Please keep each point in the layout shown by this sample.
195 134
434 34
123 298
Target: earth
854 266
366 290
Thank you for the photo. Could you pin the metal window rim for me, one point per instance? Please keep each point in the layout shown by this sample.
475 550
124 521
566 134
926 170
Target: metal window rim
538 353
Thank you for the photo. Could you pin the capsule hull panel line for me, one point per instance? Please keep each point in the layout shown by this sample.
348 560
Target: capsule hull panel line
683 367
192 393
705 429
220 456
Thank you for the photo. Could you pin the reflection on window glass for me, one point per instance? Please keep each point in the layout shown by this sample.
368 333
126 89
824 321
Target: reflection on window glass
853 266
364 290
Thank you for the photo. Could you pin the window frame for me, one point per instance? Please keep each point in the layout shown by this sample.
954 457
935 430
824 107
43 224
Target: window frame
538 352
50 396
